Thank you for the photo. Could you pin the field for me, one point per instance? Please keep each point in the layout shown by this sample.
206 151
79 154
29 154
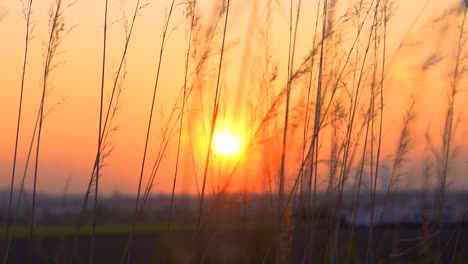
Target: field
241 244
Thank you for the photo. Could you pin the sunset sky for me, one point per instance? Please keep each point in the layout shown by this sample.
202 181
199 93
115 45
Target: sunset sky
70 132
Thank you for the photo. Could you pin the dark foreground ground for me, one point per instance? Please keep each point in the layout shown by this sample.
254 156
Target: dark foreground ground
392 244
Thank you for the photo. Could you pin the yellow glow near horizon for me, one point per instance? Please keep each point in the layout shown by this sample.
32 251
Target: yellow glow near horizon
226 143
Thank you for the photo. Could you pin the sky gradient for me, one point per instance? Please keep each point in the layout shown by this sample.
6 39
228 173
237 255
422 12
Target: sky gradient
70 131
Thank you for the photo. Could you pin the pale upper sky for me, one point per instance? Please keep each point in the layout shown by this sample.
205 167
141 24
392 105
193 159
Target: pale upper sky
69 135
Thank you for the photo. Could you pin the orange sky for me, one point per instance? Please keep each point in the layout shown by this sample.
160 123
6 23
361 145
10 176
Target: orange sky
69 135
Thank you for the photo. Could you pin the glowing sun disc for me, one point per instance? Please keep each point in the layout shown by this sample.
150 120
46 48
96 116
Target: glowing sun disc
226 143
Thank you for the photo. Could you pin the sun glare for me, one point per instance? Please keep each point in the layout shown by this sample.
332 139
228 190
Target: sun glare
226 143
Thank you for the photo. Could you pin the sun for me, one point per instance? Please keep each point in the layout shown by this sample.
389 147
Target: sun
226 143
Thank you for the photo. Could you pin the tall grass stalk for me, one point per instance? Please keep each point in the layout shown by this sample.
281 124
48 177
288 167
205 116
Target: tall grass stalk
192 7
323 114
168 130
214 115
319 81
282 224
26 167
382 81
107 126
346 164
360 173
457 232
99 145
449 121
267 79
379 138
322 117
112 106
28 37
305 136
313 149
128 248
196 76
360 169
340 77
400 156
57 31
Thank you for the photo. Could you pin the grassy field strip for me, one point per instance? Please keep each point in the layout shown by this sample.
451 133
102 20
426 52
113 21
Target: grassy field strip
61 231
